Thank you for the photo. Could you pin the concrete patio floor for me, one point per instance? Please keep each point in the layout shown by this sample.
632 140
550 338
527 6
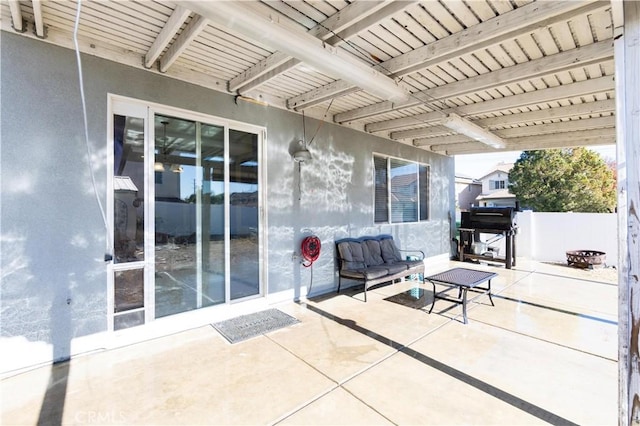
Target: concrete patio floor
545 353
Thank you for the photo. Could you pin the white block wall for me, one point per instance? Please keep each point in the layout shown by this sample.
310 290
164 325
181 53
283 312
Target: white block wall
547 237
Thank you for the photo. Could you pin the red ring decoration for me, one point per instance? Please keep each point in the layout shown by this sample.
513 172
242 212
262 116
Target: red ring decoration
310 249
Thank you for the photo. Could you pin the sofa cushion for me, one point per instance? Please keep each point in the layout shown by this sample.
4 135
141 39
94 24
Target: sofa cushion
351 254
372 253
389 251
395 268
411 263
368 274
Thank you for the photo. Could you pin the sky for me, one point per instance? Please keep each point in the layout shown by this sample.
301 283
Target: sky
479 165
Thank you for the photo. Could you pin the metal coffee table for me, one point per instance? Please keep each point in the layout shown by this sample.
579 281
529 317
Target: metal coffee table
464 280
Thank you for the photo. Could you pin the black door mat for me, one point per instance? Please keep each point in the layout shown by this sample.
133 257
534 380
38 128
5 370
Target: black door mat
247 326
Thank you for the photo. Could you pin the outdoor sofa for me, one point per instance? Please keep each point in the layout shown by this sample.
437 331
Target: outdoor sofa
375 260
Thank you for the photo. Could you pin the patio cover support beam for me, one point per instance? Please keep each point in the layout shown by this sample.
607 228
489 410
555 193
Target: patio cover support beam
525 19
605 136
442 140
569 143
303 46
422 135
581 88
587 108
539 129
37 17
195 27
16 16
170 29
627 63
347 22
568 60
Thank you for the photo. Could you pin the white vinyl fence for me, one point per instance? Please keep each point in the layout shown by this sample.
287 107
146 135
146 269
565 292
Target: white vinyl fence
547 237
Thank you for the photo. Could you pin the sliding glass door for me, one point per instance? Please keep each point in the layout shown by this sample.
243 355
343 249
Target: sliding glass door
206 209
186 215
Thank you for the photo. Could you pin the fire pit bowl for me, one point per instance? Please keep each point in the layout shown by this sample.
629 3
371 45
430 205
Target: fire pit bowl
586 258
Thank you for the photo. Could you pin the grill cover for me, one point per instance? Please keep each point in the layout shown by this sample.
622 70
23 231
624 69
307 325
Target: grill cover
491 218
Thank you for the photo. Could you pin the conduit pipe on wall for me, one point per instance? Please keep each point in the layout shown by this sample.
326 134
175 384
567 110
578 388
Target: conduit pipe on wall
305 47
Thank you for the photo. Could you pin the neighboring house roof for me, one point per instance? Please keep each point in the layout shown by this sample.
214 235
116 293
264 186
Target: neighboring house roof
124 183
500 194
404 180
467 180
500 167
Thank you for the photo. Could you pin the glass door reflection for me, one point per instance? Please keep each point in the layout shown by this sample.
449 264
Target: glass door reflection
189 250
244 214
206 215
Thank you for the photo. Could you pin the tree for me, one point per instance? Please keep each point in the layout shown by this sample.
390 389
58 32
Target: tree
560 180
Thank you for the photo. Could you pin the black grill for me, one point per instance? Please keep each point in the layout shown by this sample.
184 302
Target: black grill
490 219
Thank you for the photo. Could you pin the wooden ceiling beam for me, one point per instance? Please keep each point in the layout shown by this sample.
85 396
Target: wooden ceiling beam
421 132
582 88
563 126
557 140
587 108
509 25
444 140
321 94
347 22
523 20
590 54
569 143
337 63
16 16
38 19
195 27
425 133
170 29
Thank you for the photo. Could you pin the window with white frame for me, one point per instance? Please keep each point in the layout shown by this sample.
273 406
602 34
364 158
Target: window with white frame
497 184
401 190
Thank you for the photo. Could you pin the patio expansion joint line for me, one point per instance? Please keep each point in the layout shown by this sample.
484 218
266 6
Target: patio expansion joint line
341 383
575 278
337 385
560 310
460 375
547 341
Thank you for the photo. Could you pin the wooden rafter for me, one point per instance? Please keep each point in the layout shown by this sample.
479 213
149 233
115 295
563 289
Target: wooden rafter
556 140
16 16
346 23
525 19
588 123
170 29
193 29
37 17
590 54
587 87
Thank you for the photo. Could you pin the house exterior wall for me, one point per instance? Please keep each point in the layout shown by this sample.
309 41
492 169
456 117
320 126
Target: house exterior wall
497 175
54 277
466 194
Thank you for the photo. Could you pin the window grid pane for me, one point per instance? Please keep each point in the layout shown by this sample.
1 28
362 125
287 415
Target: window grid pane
381 202
404 191
423 177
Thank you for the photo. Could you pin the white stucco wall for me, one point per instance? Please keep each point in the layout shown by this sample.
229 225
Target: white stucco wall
54 277
548 236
